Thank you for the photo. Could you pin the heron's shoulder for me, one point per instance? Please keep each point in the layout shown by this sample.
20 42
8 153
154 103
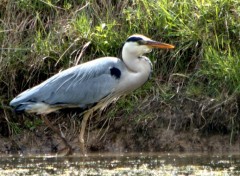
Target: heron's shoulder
96 66
106 60
101 63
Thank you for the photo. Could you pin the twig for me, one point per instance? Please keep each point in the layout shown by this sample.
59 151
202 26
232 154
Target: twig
82 51
52 5
66 51
81 8
220 104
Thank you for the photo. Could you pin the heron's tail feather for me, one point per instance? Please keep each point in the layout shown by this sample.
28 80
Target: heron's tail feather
25 106
20 108
35 107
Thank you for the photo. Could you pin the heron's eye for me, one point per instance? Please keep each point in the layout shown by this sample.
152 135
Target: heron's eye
141 42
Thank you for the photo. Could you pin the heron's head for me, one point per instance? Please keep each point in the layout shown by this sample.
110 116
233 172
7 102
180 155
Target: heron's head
138 45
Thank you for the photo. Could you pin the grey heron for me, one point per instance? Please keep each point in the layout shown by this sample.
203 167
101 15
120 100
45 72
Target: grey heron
91 85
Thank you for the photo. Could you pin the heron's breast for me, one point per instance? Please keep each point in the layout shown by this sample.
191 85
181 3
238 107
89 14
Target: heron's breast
131 81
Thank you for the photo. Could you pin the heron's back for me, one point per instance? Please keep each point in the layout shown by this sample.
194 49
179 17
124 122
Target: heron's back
79 86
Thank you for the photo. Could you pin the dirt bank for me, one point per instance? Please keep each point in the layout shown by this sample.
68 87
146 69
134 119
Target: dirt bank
182 125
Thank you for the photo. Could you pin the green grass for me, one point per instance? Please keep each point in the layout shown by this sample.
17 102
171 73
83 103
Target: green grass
223 68
38 38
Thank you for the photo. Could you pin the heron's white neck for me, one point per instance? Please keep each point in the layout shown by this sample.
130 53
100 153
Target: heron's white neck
134 62
138 69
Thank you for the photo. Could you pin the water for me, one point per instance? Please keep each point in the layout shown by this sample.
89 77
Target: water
123 164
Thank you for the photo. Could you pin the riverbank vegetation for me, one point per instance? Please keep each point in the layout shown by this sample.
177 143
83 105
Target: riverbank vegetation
194 88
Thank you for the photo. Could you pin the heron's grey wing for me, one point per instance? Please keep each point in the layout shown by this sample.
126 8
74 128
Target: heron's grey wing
80 85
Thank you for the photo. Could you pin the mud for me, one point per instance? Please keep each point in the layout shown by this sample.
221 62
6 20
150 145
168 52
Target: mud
180 126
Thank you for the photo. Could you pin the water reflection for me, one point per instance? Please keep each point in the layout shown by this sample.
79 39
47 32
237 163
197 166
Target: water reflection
122 164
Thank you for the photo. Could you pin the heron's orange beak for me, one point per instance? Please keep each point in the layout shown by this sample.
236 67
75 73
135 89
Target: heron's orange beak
155 44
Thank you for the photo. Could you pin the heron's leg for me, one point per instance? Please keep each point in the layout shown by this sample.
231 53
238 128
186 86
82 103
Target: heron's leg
58 132
82 130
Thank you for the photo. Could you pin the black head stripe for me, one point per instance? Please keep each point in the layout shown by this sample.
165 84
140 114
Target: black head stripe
134 39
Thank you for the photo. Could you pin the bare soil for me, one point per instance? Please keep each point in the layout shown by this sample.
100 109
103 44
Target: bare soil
183 125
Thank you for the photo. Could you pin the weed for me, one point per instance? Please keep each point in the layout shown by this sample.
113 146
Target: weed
222 68
32 125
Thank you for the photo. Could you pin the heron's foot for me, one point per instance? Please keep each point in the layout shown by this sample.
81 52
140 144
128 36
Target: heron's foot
68 150
82 146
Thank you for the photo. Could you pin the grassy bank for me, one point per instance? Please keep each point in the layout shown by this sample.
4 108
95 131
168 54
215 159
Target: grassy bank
41 37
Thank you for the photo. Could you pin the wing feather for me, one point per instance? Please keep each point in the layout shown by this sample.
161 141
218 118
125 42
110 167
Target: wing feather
81 85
